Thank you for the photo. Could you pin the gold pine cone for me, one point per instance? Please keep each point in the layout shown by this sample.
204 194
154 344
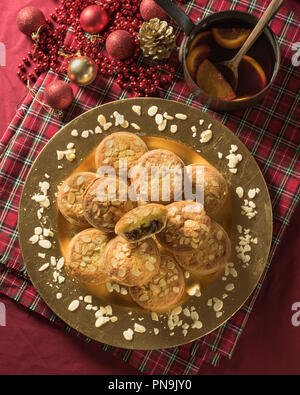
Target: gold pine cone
157 39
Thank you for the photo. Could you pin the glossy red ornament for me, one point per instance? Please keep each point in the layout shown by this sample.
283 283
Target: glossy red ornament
29 19
94 19
149 9
58 95
120 44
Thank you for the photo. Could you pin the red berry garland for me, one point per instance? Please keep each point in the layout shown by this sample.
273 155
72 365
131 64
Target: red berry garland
144 80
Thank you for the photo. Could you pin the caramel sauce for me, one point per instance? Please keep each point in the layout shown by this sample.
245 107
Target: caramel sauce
66 230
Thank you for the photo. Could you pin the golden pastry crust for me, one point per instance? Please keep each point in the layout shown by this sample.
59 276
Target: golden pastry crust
70 195
103 205
85 257
212 256
215 186
163 171
131 264
142 222
119 146
165 289
187 227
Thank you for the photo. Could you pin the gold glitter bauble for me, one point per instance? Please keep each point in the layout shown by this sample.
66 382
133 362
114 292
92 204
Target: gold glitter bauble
82 70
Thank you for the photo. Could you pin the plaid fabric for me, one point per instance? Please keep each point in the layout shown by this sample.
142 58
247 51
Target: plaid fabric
269 130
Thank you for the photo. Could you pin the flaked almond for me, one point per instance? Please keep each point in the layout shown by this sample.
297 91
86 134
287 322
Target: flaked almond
135 272
197 325
206 136
45 243
79 180
107 125
152 111
162 126
73 305
101 119
44 267
173 128
144 298
177 310
181 116
101 321
74 133
137 110
71 197
128 335
121 272
135 126
34 239
218 305
139 328
159 119
149 266
154 316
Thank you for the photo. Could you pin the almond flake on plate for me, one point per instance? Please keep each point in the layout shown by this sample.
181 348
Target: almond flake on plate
181 116
167 116
34 239
98 130
173 128
135 126
101 321
139 328
107 125
128 335
44 267
152 111
137 110
240 192
206 136
45 243
74 133
158 119
73 306
101 119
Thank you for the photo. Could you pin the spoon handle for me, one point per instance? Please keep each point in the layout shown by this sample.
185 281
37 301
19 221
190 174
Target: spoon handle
271 10
176 13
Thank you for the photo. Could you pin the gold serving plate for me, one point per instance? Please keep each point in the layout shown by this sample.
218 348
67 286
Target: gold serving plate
191 151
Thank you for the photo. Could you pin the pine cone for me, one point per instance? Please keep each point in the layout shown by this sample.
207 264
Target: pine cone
157 39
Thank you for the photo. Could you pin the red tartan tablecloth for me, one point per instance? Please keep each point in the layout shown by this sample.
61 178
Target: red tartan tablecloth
269 130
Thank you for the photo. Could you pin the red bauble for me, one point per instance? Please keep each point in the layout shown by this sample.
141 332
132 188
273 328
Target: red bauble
149 9
58 95
29 19
94 19
120 44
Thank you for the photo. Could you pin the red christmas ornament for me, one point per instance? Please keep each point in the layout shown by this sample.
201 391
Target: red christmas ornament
149 9
129 74
120 44
58 95
94 19
30 19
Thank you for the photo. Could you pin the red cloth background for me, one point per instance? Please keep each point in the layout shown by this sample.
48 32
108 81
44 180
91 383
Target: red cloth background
29 344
